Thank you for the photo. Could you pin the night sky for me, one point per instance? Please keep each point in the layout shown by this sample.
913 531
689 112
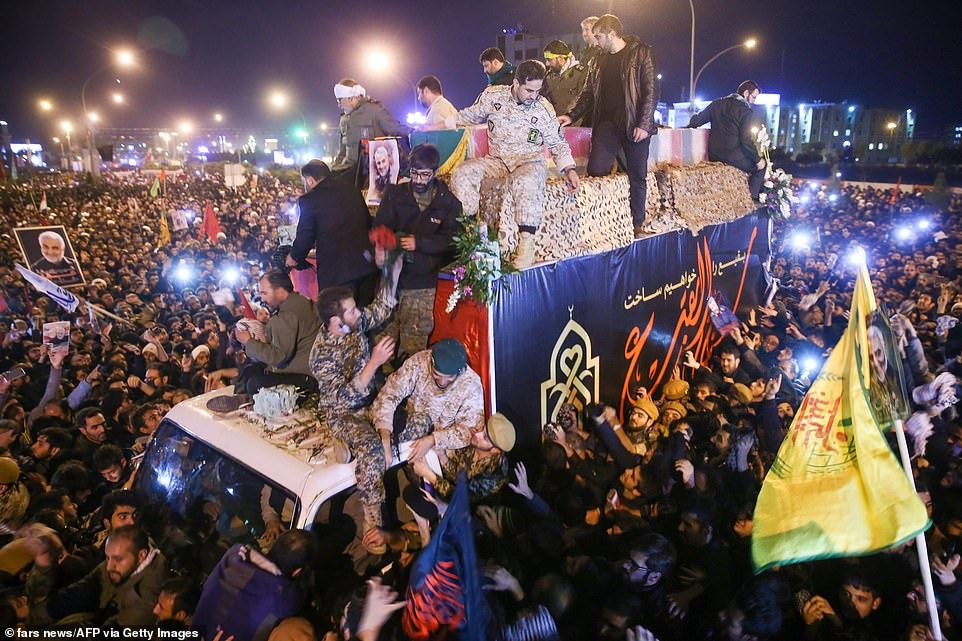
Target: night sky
203 56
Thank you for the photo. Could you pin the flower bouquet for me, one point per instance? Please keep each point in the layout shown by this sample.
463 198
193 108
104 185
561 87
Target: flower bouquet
776 192
777 195
477 264
385 242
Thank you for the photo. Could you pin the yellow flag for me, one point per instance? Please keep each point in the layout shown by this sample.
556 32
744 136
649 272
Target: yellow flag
164 237
835 488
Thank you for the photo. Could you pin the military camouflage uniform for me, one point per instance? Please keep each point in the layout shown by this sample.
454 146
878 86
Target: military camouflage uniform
414 321
486 475
336 361
517 135
451 414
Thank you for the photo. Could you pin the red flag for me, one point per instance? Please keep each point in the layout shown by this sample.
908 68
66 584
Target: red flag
211 226
163 175
248 310
896 191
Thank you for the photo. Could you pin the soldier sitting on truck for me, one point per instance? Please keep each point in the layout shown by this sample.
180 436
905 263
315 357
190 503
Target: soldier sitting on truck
521 123
344 365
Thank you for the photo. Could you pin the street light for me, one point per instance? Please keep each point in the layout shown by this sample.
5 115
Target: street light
218 117
45 105
748 44
280 102
93 117
124 58
117 97
67 127
278 99
377 60
380 62
185 127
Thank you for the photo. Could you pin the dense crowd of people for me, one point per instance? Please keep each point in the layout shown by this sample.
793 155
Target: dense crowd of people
614 532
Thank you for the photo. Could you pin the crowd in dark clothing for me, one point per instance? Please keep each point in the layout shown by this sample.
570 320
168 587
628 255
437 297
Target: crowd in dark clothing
625 525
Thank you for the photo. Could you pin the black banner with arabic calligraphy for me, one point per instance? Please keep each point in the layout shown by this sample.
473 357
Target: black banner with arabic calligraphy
594 328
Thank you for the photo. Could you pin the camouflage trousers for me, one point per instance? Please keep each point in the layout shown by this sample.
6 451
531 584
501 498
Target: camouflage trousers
364 442
526 183
412 322
357 432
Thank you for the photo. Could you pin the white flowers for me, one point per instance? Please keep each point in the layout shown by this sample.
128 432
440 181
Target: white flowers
762 139
453 300
777 194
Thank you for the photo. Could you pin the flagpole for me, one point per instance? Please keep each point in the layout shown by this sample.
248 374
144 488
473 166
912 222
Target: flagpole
920 546
103 312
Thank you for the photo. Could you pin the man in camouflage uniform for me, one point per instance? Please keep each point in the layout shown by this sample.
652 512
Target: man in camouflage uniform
344 365
520 124
484 462
363 118
445 400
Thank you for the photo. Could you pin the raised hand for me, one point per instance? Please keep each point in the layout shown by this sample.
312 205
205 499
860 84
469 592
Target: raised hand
521 488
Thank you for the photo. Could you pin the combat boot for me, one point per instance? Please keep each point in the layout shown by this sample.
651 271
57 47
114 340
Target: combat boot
524 254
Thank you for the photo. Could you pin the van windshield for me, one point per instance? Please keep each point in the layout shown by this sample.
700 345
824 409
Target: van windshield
208 493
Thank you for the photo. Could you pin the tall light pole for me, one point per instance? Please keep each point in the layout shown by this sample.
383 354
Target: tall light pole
691 60
123 58
63 159
281 102
748 44
67 127
379 62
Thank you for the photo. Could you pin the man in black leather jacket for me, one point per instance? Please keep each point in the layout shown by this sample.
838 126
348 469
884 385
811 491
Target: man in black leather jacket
620 94
732 140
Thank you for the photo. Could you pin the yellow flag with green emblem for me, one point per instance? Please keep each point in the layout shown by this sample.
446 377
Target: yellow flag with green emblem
836 489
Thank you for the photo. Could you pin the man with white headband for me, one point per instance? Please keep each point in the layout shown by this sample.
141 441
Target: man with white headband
363 118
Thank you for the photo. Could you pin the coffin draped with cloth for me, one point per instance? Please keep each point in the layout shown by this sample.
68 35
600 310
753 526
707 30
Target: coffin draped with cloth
600 315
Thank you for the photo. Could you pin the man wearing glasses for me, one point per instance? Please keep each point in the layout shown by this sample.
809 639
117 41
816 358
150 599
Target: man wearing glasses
424 215
521 123
649 570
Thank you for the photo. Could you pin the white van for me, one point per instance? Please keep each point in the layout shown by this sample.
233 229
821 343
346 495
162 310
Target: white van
239 473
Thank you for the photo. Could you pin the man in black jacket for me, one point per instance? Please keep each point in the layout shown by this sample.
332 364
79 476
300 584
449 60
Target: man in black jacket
335 220
619 94
424 214
732 140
